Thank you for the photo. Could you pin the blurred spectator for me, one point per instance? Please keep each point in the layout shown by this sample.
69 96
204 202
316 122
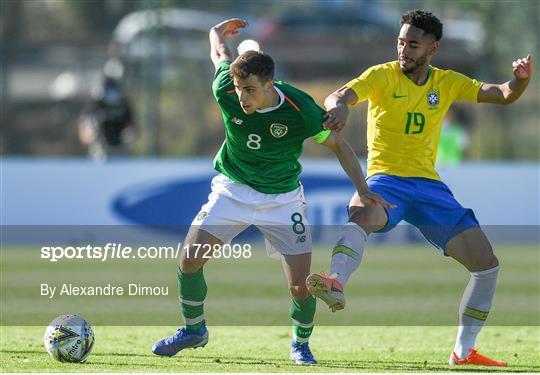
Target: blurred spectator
106 124
454 140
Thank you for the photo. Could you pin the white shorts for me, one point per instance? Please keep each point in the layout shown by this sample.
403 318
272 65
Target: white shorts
232 207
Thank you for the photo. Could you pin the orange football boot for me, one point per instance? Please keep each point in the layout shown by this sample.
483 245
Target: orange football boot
475 359
326 288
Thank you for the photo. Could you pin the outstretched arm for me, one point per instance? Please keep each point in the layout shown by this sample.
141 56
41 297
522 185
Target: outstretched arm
349 163
219 50
508 92
336 105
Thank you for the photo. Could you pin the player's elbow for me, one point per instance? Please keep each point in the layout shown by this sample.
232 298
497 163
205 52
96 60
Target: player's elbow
497 94
508 100
508 96
329 143
501 100
335 142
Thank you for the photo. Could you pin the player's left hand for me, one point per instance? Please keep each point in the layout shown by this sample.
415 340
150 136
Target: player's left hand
370 198
522 68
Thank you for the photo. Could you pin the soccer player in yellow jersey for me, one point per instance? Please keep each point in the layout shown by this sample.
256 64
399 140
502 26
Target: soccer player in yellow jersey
408 100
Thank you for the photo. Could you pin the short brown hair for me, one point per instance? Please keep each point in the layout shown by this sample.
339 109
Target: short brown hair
254 63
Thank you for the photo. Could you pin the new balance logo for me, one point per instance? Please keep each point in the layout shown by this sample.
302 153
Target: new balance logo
237 121
301 239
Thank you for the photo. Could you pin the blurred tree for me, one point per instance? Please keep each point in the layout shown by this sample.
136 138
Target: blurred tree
511 31
10 32
99 15
173 97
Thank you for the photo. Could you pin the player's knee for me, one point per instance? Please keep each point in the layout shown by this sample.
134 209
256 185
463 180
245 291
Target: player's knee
487 261
480 260
299 291
189 264
185 266
365 217
359 215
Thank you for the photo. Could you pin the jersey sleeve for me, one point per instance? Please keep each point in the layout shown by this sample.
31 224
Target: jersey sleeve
223 81
313 117
368 83
465 88
321 136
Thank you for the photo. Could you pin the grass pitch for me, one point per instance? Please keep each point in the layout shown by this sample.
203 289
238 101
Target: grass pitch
400 317
265 349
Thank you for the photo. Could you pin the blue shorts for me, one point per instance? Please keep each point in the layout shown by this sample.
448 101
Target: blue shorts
427 204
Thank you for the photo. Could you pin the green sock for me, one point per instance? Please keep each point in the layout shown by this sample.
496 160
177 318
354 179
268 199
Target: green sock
302 313
192 289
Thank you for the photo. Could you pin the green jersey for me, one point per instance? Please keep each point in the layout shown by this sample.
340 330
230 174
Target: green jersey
452 143
261 150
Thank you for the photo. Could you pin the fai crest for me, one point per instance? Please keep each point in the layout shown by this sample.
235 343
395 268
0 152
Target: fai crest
278 130
433 97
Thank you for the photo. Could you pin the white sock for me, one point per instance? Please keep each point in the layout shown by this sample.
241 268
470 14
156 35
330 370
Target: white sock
347 253
474 308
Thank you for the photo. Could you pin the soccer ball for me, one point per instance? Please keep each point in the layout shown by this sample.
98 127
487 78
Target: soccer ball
69 338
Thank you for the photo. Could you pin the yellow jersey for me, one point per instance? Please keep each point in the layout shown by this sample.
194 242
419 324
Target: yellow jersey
404 120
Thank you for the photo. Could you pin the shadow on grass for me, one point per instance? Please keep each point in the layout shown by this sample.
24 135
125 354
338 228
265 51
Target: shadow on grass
124 355
93 355
131 365
283 364
355 365
23 351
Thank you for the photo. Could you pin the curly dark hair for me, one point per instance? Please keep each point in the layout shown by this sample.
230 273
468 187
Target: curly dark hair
423 20
254 63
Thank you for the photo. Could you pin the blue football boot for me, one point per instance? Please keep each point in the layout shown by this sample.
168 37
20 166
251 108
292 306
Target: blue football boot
301 354
182 339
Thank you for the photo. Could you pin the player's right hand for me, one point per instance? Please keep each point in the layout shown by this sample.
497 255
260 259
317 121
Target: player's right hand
336 118
370 198
229 28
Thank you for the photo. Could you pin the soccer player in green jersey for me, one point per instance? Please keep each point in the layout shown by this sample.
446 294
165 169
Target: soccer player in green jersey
266 123
408 100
